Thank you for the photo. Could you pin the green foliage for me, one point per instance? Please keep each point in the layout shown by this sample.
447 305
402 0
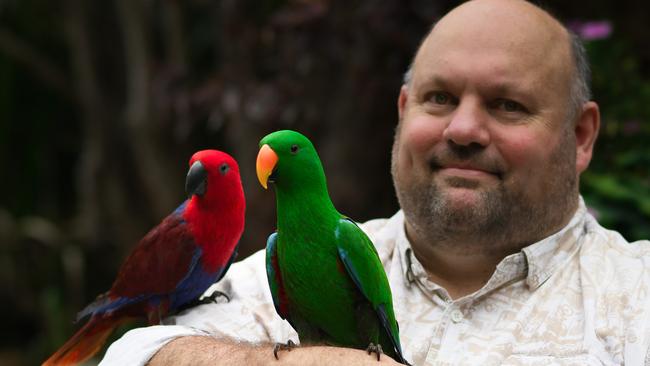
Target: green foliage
617 184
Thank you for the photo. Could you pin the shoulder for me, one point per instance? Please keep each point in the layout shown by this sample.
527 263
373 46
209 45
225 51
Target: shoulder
249 274
615 279
609 247
614 270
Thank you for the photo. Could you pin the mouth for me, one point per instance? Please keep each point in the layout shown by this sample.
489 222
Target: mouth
467 171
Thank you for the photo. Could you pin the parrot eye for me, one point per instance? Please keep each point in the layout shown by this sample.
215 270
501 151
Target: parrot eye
294 149
224 168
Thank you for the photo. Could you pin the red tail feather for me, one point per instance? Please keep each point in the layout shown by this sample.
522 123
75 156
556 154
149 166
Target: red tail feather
85 343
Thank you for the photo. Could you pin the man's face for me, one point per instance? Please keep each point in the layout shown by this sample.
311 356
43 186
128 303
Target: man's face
484 148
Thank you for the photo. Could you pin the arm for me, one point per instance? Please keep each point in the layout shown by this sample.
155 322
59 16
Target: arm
210 351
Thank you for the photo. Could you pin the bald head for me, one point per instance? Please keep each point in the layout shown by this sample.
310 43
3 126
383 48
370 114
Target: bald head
502 14
537 39
508 20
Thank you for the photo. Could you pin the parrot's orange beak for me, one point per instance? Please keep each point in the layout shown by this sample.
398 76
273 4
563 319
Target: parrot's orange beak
266 160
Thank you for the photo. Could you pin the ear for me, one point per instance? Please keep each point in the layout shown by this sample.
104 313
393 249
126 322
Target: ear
401 101
586 132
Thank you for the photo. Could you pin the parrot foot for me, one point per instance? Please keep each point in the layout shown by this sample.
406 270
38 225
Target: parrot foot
376 349
213 298
283 346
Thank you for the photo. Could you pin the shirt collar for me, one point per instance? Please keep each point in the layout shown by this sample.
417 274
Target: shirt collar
412 269
547 255
537 261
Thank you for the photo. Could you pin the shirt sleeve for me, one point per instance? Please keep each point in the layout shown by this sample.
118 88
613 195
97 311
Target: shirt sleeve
248 316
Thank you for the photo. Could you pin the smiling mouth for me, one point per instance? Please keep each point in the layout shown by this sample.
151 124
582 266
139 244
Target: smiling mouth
466 172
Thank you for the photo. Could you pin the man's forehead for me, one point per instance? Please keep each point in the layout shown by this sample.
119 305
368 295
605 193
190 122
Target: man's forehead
506 85
515 31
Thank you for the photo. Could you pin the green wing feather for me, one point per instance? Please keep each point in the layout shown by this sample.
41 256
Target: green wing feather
362 263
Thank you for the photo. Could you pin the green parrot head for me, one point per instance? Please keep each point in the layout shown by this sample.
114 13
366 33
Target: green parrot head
289 160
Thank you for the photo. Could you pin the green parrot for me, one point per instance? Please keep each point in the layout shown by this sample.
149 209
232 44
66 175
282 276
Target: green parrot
324 273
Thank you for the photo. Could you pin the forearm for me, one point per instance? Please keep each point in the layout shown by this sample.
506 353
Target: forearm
200 350
211 351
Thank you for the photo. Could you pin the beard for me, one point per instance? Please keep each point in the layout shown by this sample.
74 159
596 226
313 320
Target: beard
506 216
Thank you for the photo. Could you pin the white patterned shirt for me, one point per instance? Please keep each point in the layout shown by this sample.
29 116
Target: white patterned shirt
578 297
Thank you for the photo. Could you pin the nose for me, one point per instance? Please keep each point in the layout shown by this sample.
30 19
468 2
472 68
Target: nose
468 125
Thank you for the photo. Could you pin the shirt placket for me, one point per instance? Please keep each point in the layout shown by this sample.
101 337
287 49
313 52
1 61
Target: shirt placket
448 334
449 329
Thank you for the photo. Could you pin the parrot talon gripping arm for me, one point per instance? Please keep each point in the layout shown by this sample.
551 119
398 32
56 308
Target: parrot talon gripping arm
283 346
372 348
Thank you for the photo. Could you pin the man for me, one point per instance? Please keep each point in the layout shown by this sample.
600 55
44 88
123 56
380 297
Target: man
493 258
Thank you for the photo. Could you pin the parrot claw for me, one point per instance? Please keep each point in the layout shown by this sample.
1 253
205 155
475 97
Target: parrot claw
213 298
283 346
376 349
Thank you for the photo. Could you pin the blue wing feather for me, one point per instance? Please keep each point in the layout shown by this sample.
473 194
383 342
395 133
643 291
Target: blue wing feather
224 270
274 276
383 318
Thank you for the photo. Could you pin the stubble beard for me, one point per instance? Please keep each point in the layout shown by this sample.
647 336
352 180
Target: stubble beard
504 218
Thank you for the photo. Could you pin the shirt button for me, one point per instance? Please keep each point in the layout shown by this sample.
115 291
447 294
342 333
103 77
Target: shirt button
456 316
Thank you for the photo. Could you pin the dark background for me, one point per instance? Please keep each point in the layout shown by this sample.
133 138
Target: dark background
103 102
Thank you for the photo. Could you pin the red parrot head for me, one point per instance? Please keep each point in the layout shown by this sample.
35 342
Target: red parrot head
213 178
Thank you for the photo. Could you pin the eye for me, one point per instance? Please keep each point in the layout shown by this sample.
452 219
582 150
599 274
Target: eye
294 149
510 106
441 98
224 168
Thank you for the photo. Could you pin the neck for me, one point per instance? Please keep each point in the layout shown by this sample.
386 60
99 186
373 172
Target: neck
459 275
211 225
463 261
454 266
303 205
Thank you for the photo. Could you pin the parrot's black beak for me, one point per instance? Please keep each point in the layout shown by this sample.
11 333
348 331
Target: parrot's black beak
196 181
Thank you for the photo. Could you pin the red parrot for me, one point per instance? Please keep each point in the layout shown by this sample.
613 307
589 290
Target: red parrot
175 262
